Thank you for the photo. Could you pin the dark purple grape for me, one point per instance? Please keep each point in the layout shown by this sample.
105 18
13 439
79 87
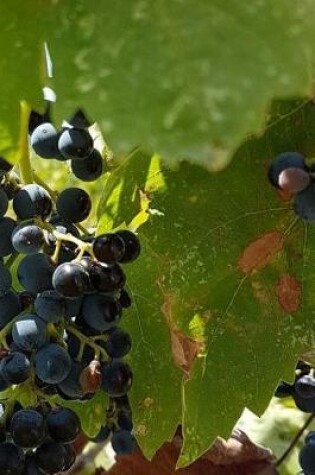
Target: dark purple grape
132 246
71 279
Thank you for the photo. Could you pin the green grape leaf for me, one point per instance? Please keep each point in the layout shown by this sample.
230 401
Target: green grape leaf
184 79
92 412
225 283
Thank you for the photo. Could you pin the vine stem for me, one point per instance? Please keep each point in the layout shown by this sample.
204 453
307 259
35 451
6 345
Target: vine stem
24 153
9 263
295 440
87 341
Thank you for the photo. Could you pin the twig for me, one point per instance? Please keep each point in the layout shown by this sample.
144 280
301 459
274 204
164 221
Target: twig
295 440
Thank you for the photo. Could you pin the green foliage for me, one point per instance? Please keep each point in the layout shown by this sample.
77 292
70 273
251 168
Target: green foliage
184 79
197 275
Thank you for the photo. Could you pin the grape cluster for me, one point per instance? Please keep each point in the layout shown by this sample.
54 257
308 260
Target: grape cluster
60 337
73 142
303 393
290 173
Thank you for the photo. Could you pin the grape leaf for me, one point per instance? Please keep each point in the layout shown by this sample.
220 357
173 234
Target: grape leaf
225 262
185 79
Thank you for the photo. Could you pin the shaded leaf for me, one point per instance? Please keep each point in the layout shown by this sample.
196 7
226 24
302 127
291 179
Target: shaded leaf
185 79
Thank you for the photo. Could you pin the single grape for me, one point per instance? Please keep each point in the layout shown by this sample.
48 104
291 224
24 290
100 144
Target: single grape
125 299
50 457
107 278
44 140
304 404
71 280
70 387
5 166
123 442
116 378
307 458
89 169
304 203
12 459
4 203
52 363
305 386
294 180
63 425
118 343
74 204
15 368
75 143
27 239
51 306
7 226
5 280
32 200
28 428
132 245
109 248
282 162
100 312
35 273
9 307
29 332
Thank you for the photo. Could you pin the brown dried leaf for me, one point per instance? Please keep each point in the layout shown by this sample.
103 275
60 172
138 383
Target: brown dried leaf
184 350
237 456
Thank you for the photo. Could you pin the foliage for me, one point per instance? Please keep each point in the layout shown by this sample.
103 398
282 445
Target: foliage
213 324
184 79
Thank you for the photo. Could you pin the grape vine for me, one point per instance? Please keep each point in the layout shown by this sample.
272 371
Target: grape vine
60 338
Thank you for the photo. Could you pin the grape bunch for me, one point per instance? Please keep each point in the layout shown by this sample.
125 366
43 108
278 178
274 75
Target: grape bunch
73 142
290 173
60 337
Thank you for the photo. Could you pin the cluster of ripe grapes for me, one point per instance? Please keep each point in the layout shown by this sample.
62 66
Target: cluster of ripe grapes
303 393
60 337
289 172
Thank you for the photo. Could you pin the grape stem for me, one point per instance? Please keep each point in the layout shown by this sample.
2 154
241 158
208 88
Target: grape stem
9 263
24 153
87 341
287 452
83 246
